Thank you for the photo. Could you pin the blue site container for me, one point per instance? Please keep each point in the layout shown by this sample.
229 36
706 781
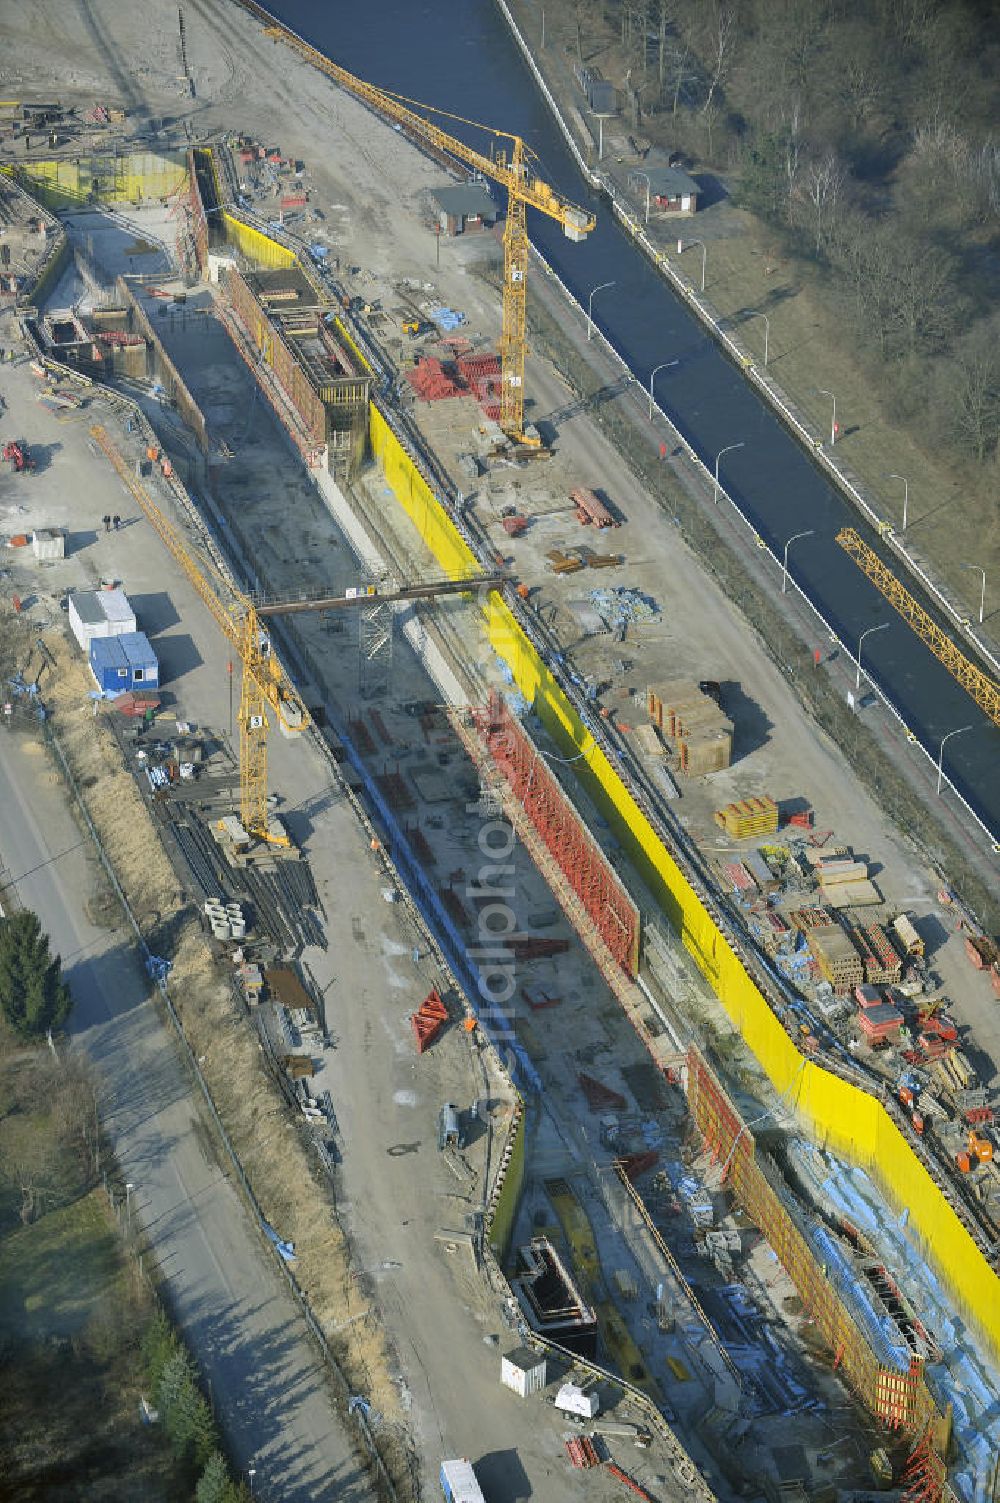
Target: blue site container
122 663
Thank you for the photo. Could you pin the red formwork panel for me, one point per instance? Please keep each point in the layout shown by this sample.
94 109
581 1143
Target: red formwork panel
571 845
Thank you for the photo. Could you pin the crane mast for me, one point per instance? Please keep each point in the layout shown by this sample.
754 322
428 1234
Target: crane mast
511 168
264 679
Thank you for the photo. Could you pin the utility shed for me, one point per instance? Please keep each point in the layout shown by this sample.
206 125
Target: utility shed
670 189
523 1371
466 206
99 613
123 662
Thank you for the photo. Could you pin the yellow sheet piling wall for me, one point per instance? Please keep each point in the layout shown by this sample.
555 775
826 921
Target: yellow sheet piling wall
256 245
839 1115
418 501
131 178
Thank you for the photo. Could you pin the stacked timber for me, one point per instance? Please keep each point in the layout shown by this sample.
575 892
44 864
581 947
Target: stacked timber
844 882
751 816
703 734
836 958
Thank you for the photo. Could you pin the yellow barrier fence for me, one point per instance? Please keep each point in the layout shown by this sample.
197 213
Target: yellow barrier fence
839 1115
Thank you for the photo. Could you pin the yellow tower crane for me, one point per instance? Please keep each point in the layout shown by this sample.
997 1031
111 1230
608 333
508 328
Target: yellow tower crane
265 682
512 167
983 689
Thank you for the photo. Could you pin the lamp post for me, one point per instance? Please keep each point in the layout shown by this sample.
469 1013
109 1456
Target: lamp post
756 313
906 496
682 247
866 633
590 305
978 569
727 450
637 173
959 732
833 421
251 1474
129 1187
824 393
652 377
784 564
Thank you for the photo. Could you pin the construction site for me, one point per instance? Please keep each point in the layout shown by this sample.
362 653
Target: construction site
649 1068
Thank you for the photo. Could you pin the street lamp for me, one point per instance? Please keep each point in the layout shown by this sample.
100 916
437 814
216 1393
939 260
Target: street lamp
637 173
652 376
682 247
784 565
590 305
906 495
128 1204
833 421
756 313
978 569
251 1474
866 633
959 732
727 450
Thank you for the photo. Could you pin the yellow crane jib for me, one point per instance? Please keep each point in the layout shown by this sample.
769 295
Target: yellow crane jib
512 168
979 685
265 682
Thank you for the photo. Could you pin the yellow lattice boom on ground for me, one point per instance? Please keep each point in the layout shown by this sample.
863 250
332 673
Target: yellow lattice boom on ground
265 681
983 689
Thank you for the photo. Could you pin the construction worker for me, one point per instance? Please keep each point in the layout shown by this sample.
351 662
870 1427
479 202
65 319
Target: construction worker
106 519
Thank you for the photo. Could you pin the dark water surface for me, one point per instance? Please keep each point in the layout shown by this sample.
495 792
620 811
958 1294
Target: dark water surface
459 56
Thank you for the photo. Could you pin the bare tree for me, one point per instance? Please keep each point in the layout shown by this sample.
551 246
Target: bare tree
822 184
984 182
682 73
632 96
971 392
664 12
720 46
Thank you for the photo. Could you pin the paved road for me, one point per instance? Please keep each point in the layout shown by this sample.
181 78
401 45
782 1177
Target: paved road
238 1318
771 477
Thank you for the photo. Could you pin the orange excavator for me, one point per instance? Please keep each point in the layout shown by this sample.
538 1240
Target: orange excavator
979 1150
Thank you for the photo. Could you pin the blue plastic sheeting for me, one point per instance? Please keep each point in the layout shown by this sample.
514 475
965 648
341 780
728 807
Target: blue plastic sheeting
964 1377
880 1329
447 318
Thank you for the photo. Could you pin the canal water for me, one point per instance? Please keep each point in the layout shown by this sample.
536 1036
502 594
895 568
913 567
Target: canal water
459 56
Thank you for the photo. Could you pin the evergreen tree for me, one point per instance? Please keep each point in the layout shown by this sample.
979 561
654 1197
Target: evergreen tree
158 1346
204 1435
213 1484
177 1399
33 995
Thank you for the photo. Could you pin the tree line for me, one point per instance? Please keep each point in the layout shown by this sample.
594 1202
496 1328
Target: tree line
865 133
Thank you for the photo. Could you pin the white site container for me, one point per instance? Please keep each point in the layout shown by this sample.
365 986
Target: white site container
116 607
572 1400
523 1371
48 543
458 1482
